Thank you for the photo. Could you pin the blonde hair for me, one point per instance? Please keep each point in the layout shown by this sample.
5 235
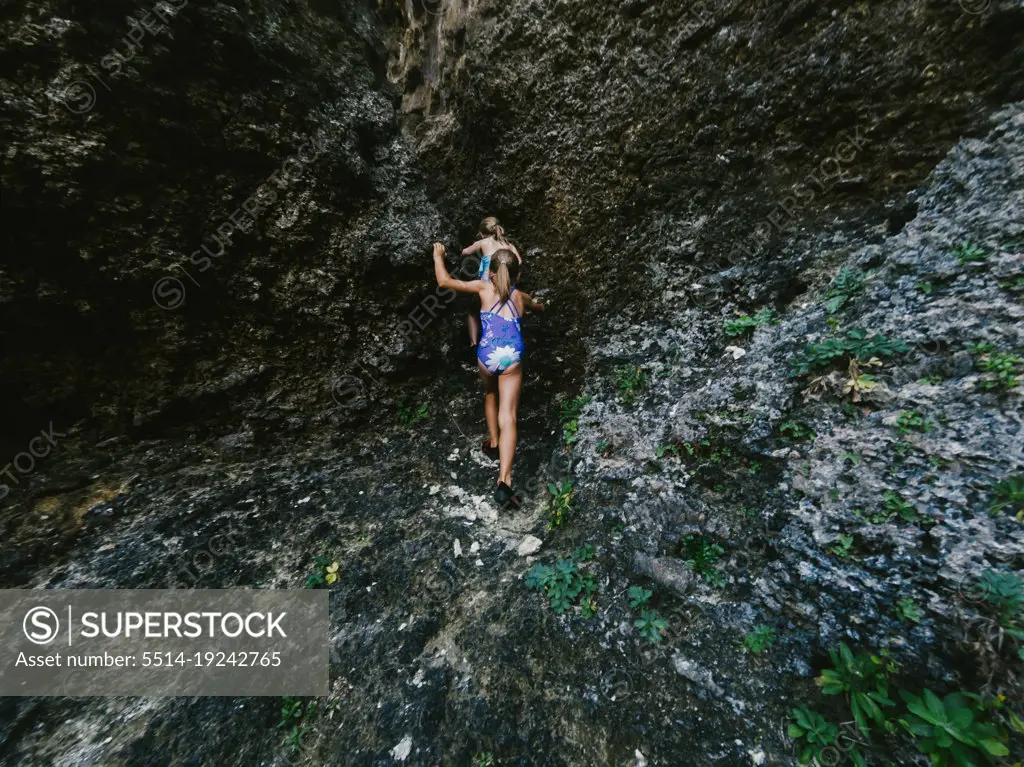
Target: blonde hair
490 227
504 271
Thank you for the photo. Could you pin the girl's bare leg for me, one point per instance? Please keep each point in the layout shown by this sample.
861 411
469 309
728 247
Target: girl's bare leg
509 384
473 323
490 402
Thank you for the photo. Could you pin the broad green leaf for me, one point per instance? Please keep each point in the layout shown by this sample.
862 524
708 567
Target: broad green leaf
962 718
995 748
934 705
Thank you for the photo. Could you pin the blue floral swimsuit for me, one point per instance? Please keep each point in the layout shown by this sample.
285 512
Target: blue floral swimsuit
501 343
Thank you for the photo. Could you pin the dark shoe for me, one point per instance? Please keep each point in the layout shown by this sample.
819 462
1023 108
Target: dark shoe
490 450
506 497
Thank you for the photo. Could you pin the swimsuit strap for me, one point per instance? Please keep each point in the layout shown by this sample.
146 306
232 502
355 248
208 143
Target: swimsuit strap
502 303
515 311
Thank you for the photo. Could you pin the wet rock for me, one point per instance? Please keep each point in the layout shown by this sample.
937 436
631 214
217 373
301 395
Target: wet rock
666 571
234 444
529 545
699 676
401 751
660 183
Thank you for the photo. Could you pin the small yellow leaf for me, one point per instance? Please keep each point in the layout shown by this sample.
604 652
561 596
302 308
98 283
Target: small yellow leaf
332 567
331 578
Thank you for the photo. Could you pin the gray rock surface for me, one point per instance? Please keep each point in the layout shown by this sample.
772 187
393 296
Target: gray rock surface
665 169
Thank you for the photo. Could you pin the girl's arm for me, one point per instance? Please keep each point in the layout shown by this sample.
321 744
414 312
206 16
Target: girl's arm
472 248
531 305
444 280
516 251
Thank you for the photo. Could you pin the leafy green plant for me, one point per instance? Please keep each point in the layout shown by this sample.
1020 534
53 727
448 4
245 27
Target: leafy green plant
930 380
857 381
291 711
796 431
483 760
630 380
864 680
325 572
638 596
925 287
571 410
703 450
701 556
744 323
603 448
999 369
894 505
651 626
411 414
834 323
560 503
874 517
569 414
907 609
969 252
843 547
569 435
950 731
664 450
563 584
1008 495
911 420
1004 592
900 450
852 458
760 639
295 718
584 553
847 284
812 728
857 344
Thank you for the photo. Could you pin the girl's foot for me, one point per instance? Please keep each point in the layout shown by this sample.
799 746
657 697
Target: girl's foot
490 450
505 496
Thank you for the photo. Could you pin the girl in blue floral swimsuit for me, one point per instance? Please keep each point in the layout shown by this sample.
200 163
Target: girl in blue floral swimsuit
500 353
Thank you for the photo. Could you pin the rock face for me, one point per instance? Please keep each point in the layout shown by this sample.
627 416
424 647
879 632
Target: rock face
218 310
193 232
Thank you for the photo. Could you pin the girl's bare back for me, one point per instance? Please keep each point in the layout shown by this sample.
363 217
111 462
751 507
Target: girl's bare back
490 300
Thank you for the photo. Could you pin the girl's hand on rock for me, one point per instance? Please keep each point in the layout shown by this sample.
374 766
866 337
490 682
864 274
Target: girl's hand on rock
438 250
